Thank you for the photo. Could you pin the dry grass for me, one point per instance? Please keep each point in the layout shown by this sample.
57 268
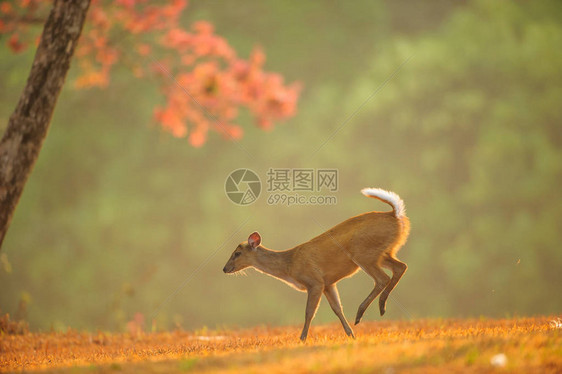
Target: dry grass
529 344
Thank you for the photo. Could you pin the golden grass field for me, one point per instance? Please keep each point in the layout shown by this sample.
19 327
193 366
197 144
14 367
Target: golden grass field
530 345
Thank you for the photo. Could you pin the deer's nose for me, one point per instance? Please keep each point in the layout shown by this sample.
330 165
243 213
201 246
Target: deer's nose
224 269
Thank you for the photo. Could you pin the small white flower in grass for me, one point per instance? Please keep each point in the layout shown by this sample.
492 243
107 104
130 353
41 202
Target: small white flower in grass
556 323
499 360
210 338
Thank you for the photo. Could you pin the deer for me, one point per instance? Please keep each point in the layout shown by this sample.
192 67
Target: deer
368 241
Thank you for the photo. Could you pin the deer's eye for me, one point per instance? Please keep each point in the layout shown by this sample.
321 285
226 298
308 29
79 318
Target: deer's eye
237 254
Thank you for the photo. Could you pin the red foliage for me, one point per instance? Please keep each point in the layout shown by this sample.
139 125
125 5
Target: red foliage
203 81
14 43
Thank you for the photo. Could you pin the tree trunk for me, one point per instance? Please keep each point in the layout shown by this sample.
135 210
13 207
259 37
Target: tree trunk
28 125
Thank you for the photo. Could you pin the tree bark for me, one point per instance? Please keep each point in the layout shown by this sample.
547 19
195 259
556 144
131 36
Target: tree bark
28 125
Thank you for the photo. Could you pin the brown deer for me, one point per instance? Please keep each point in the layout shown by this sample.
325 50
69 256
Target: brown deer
368 241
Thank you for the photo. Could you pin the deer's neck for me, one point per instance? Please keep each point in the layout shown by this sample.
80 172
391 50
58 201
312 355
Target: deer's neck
274 263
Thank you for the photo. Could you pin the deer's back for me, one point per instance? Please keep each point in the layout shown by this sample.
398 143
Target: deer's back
329 255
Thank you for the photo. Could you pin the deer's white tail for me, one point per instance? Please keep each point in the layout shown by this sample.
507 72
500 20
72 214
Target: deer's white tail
388 197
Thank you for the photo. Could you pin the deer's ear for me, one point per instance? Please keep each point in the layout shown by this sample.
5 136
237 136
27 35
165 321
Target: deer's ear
254 240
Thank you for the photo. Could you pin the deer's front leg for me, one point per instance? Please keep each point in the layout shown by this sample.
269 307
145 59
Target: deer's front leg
333 297
314 295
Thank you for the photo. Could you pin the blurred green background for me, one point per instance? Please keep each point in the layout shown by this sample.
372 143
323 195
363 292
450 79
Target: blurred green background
117 215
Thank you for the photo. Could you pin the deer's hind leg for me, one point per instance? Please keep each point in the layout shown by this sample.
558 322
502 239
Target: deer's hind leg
381 281
398 269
